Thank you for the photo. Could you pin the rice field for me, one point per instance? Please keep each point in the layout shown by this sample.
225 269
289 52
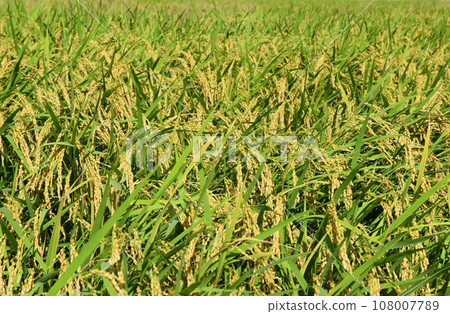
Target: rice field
369 82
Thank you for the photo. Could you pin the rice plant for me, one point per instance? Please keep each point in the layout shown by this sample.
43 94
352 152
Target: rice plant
79 78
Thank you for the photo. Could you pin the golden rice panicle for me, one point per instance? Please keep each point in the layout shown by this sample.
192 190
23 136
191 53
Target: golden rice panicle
135 248
3 264
374 283
406 272
154 281
266 185
29 283
15 269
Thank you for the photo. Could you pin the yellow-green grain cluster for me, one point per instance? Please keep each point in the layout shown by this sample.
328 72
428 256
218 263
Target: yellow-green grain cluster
77 218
